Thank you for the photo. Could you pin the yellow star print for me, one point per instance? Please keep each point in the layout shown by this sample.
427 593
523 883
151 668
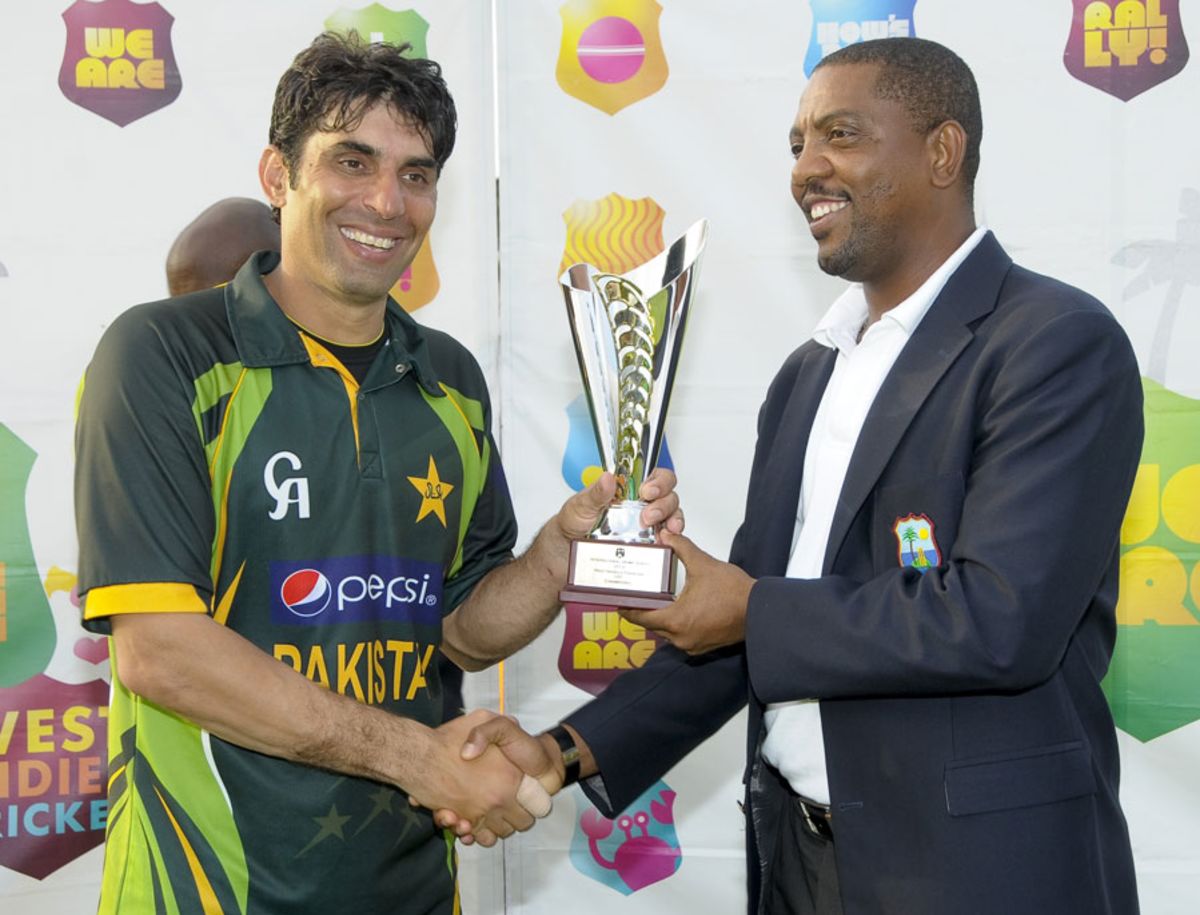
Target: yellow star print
433 493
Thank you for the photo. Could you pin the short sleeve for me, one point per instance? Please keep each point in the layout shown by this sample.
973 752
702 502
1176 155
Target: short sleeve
491 533
143 502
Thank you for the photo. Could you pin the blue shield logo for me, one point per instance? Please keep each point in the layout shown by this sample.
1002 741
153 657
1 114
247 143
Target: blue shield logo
837 23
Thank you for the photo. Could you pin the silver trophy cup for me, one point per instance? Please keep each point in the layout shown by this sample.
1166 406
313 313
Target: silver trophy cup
628 331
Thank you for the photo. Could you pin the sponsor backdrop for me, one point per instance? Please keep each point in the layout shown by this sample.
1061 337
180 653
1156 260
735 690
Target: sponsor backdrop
613 124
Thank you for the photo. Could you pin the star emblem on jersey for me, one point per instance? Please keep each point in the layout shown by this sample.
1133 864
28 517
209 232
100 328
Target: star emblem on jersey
331 825
433 492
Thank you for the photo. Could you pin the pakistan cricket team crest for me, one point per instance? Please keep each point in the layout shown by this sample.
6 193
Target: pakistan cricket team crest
1125 48
611 54
118 61
916 545
433 490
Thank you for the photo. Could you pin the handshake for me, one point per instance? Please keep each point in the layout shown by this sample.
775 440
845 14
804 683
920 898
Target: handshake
487 778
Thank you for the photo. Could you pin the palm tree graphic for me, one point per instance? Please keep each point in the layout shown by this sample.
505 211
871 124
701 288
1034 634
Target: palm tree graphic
908 537
1175 264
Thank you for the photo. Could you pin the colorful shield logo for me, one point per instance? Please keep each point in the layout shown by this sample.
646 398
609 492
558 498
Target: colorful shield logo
641 850
611 54
599 645
119 62
837 23
614 233
1153 683
378 24
54 768
1125 48
27 634
916 545
419 284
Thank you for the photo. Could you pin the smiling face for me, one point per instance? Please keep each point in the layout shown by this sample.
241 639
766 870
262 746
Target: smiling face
861 176
353 214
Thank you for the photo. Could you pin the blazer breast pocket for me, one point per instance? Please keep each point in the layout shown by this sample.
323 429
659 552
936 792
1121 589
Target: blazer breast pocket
1026 778
914 524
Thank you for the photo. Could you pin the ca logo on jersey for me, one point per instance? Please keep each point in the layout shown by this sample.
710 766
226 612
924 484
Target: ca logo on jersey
287 492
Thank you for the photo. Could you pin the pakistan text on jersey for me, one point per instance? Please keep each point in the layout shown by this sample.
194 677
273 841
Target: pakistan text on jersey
374 672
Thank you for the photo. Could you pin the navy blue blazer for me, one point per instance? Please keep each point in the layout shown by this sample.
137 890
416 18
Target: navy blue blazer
972 758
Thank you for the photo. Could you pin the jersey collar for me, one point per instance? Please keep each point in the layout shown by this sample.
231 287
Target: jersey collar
265 337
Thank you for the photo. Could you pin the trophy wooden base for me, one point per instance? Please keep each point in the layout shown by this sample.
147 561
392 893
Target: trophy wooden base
617 574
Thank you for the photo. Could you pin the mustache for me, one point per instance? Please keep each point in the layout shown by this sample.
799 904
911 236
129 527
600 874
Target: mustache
816 189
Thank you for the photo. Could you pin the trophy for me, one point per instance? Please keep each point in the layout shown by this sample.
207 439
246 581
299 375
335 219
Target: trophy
628 330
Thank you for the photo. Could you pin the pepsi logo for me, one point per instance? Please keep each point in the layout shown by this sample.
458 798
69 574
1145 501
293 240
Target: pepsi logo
356 589
306 592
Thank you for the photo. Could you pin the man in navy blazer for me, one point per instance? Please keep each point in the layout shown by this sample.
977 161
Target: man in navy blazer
960 616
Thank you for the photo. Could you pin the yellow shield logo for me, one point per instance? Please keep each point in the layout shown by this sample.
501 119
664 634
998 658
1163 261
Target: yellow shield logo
611 54
614 233
419 283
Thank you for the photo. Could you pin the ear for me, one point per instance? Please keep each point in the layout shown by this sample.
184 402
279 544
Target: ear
273 175
947 145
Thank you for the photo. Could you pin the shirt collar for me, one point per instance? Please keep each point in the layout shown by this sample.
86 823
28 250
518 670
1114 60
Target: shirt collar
840 326
265 337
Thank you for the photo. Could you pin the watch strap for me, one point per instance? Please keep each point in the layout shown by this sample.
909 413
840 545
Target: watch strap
570 753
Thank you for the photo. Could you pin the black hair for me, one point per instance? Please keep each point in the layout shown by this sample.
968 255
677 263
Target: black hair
335 80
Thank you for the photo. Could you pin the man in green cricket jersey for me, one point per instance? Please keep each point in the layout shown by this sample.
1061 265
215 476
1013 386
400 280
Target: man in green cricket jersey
288 498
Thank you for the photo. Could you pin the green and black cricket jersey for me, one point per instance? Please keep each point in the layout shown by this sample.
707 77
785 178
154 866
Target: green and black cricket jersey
228 464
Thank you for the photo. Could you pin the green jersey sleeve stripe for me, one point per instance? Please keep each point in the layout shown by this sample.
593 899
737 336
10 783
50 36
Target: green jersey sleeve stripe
472 409
454 417
216 383
246 402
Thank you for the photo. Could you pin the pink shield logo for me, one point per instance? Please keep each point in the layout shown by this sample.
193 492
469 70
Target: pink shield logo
599 645
1125 48
53 773
118 60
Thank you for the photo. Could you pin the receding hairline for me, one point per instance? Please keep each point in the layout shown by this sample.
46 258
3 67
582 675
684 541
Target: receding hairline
346 117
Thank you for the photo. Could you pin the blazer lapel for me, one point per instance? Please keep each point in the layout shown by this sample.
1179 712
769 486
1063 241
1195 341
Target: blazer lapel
784 467
942 334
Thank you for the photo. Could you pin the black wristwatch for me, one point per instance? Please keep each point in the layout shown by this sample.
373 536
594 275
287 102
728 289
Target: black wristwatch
570 753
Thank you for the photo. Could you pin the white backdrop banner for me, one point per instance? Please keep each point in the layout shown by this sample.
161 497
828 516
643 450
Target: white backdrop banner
619 122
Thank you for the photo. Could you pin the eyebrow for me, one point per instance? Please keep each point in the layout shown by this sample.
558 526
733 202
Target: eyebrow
354 146
367 149
422 162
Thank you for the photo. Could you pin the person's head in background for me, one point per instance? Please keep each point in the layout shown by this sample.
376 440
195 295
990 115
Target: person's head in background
214 245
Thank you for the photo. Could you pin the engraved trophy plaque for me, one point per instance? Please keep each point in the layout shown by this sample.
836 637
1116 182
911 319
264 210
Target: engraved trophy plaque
628 330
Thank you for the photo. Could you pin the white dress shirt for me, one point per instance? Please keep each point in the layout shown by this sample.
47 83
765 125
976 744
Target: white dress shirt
794 743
